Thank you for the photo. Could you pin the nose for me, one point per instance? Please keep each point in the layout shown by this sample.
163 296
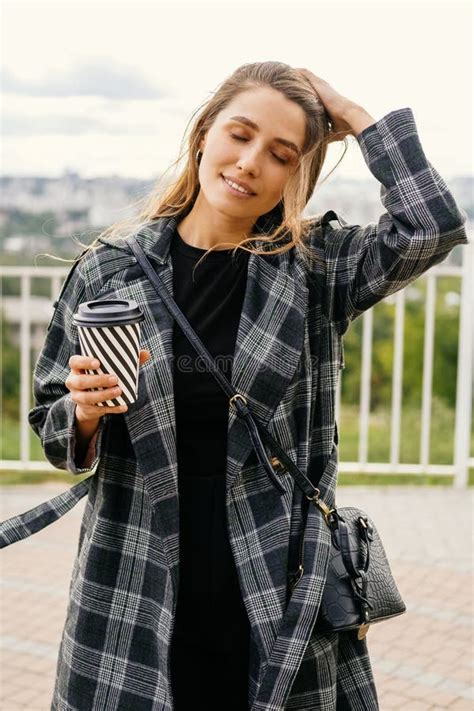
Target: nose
248 162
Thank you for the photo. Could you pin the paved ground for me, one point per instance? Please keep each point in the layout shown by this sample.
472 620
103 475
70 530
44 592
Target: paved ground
422 659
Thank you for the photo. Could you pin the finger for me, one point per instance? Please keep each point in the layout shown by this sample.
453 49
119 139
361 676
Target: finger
88 397
80 362
94 411
82 381
310 76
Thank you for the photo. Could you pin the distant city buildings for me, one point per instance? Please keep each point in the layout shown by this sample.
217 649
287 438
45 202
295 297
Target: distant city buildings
69 206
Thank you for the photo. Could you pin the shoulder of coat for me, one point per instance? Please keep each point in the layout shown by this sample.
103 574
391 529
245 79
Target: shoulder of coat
321 227
120 242
103 261
105 255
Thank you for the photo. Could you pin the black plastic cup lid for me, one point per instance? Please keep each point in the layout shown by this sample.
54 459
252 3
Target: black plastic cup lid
108 312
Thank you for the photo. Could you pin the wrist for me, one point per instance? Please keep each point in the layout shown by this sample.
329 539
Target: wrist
86 432
85 450
358 118
85 426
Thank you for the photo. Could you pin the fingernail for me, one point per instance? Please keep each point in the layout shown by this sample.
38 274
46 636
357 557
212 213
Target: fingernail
95 363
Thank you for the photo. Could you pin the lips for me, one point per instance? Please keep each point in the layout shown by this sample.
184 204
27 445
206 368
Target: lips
239 182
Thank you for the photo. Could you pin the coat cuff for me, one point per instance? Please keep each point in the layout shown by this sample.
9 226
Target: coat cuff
376 139
56 427
94 450
392 149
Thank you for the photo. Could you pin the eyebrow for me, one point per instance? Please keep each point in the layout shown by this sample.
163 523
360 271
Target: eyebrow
251 124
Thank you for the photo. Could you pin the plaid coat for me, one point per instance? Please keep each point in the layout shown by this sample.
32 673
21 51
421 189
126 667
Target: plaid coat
114 653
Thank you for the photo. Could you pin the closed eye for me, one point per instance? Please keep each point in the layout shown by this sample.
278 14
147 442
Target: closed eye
241 138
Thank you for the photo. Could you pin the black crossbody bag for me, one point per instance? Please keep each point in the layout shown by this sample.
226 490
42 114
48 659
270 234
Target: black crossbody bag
360 588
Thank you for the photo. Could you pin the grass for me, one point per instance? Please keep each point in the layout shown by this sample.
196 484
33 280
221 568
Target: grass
11 477
441 449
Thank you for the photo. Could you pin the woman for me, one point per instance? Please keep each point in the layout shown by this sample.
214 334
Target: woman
179 595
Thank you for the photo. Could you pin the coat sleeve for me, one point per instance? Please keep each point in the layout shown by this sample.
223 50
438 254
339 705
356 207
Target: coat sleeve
53 416
420 226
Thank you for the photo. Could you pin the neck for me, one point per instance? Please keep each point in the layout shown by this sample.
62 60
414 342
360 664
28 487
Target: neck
205 227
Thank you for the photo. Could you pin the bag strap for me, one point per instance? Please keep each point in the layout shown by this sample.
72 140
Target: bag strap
258 432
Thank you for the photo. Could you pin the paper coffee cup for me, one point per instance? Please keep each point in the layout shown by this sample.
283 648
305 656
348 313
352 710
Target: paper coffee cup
109 330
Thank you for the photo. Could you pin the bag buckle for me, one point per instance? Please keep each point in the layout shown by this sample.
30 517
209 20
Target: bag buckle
235 399
277 465
322 506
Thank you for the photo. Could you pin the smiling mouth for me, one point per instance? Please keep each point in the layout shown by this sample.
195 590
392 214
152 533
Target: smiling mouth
235 191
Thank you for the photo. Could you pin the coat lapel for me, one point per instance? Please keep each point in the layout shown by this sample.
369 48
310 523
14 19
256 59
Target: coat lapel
268 348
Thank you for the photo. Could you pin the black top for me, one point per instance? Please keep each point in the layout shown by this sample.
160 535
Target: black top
212 631
211 298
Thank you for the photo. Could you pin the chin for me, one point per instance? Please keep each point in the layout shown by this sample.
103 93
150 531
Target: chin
236 208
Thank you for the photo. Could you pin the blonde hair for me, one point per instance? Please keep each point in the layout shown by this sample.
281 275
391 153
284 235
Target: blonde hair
285 221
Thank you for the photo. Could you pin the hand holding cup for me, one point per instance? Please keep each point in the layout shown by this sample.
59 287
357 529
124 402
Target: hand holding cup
80 385
109 338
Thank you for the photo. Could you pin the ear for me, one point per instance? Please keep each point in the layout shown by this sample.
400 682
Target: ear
202 142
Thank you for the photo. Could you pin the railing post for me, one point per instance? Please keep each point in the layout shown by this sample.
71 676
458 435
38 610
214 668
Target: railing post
397 379
25 367
464 384
428 357
365 383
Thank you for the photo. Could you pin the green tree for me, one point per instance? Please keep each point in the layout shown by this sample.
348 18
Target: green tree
445 351
10 370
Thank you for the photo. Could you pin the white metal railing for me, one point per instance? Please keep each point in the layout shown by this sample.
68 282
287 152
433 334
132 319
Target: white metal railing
464 387
25 275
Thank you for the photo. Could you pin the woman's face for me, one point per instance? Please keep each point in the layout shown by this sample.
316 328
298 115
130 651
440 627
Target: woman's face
254 155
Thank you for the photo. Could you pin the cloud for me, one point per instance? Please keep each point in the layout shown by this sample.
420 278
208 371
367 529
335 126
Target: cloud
55 122
14 124
109 81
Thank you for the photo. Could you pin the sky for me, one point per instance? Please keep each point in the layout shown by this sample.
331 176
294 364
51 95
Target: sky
108 87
